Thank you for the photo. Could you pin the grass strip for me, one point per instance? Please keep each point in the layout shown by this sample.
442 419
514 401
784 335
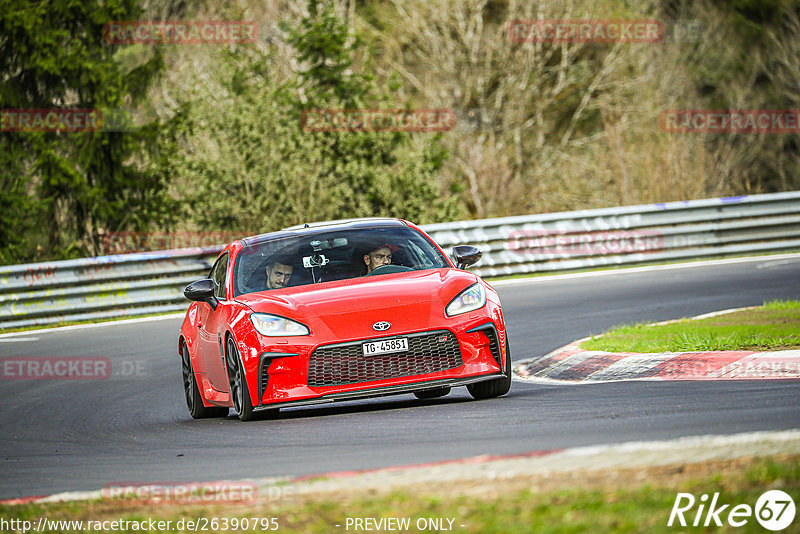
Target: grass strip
628 500
773 326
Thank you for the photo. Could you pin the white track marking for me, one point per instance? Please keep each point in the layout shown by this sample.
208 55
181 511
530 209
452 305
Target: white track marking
631 366
647 268
93 325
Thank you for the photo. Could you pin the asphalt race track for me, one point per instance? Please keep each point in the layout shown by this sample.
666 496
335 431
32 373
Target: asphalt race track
62 435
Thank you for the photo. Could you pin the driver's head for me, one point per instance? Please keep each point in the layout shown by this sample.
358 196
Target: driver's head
279 272
378 257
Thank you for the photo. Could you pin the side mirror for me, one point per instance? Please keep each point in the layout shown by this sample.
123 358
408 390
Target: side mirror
466 255
202 291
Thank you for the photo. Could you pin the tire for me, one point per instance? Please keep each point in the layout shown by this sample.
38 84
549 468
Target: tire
432 393
493 388
240 395
194 401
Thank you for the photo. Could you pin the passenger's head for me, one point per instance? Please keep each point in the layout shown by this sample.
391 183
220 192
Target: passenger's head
279 271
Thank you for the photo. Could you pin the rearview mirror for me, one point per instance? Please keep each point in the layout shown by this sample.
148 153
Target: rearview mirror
202 291
466 255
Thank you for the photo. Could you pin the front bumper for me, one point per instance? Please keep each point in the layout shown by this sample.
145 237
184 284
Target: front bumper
296 378
378 392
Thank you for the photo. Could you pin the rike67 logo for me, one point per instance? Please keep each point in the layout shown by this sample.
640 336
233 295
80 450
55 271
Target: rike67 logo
774 511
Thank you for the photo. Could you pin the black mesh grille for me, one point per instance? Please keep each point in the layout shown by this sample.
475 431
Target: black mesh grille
346 364
264 375
494 346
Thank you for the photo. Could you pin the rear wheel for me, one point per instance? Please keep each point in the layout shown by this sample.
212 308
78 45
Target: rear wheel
496 387
193 399
240 395
432 393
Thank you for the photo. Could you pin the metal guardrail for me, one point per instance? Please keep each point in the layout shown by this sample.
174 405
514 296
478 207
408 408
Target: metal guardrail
99 288
629 235
153 282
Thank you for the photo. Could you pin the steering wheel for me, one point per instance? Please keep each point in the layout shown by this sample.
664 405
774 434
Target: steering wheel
390 269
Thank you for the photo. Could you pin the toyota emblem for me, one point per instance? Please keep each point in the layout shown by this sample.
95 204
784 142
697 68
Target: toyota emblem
380 326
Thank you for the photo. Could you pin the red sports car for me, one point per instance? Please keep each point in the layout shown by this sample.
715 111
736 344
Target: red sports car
338 311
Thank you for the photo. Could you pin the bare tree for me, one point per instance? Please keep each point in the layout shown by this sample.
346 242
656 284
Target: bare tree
556 125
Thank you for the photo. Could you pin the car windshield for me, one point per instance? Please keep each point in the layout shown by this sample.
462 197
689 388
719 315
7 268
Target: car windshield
327 255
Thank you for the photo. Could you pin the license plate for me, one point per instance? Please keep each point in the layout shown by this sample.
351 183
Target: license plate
385 346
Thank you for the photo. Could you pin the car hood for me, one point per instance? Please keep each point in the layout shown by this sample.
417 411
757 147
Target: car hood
348 308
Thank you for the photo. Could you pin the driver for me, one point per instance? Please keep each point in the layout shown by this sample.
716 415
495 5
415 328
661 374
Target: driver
379 256
279 271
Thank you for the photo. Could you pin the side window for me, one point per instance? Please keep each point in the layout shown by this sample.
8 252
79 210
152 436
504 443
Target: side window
218 276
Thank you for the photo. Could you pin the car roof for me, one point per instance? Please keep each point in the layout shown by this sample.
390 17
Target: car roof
314 227
357 222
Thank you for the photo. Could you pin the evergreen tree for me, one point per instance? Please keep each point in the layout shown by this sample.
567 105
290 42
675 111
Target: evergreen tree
69 187
253 168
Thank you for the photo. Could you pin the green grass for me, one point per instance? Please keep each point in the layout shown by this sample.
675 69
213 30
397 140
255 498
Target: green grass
607 507
773 326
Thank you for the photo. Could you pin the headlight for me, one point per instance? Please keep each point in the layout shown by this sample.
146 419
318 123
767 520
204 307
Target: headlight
277 326
471 299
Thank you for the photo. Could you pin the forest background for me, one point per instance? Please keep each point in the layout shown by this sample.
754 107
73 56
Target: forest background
212 139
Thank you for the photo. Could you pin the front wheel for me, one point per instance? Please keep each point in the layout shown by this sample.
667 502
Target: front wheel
193 399
240 395
493 388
